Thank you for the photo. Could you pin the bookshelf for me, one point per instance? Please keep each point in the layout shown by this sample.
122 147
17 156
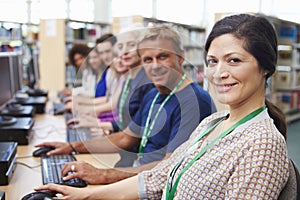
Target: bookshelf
22 39
10 36
285 88
56 38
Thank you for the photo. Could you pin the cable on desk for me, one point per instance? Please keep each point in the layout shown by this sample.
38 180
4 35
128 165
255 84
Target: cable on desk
43 127
26 165
53 129
41 137
21 157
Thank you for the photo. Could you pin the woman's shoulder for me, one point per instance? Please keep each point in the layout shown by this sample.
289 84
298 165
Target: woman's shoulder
260 132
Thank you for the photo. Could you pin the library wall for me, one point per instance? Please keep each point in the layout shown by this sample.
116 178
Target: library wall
52 53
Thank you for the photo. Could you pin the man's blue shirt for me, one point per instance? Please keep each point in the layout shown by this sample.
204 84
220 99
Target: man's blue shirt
178 119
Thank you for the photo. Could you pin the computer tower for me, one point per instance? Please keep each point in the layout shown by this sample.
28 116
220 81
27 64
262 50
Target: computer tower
37 92
38 102
8 155
15 129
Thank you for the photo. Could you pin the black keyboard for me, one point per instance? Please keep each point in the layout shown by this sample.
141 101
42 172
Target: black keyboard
68 116
78 134
51 170
58 108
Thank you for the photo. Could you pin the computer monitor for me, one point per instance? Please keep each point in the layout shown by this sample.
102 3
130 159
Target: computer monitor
6 89
36 66
33 72
29 74
5 78
16 70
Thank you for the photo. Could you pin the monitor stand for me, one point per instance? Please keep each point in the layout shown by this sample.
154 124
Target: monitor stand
7 120
14 107
18 110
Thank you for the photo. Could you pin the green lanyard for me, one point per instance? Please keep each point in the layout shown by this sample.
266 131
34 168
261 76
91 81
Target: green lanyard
171 189
123 97
148 129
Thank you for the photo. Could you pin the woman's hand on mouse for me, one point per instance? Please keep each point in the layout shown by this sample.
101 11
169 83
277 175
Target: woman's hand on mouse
60 147
68 193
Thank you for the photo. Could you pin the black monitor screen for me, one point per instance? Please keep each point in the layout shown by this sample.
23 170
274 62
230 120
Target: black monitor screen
32 71
30 74
5 77
16 64
36 70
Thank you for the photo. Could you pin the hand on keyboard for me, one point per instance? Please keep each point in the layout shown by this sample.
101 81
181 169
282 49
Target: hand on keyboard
87 121
52 170
68 106
72 121
86 172
67 99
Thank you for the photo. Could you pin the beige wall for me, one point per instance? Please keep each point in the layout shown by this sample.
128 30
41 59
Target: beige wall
52 54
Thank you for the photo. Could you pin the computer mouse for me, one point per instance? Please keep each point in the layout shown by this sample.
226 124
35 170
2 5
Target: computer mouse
42 151
39 195
14 107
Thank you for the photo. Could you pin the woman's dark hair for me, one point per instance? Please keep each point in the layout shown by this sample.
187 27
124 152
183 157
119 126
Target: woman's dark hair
81 49
260 40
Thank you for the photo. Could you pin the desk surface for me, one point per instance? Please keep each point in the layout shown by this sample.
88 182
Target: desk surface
46 128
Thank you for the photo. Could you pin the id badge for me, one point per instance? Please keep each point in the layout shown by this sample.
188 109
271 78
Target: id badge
136 162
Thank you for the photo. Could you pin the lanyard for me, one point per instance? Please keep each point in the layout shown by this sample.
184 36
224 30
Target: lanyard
148 128
123 97
171 189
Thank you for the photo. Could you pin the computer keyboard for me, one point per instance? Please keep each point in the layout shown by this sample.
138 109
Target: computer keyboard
68 116
58 108
78 134
51 170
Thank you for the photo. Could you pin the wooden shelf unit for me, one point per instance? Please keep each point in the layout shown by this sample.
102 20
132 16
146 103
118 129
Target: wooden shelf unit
286 80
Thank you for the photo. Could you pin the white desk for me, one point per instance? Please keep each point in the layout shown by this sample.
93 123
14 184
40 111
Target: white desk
47 128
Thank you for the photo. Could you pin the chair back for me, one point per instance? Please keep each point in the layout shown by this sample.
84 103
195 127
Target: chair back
291 190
